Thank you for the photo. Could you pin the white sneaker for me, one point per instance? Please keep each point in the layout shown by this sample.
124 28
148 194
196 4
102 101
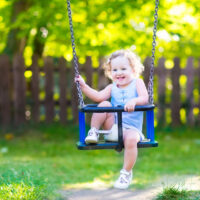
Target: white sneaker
92 137
113 135
124 180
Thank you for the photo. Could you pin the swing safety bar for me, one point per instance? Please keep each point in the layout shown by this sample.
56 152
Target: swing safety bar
93 108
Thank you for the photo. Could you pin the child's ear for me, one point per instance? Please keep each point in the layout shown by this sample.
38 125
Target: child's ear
134 73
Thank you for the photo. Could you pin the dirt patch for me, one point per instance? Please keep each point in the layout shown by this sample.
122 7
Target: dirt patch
107 193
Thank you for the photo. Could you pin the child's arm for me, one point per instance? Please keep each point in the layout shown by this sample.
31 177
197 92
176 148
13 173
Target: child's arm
94 95
142 98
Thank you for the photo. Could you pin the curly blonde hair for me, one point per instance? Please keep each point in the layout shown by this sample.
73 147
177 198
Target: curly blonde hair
133 59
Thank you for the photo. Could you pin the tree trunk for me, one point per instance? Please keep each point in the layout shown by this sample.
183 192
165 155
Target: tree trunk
14 44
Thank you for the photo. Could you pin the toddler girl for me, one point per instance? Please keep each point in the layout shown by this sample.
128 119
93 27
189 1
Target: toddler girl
128 90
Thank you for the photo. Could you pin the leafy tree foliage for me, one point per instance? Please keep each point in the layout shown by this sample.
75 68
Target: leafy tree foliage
100 27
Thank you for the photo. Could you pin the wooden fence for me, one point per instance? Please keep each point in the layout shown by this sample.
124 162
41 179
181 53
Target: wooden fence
47 93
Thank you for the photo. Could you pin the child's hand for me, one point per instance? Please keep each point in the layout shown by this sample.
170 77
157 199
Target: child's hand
80 80
130 106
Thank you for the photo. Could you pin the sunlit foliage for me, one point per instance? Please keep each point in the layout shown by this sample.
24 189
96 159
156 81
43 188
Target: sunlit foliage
102 26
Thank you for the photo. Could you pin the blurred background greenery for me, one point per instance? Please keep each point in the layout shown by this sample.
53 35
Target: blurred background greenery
100 26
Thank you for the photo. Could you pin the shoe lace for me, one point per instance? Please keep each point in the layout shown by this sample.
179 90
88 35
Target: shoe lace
124 177
92 132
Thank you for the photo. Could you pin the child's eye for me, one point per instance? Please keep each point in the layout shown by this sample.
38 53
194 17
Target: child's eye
123 68
114 70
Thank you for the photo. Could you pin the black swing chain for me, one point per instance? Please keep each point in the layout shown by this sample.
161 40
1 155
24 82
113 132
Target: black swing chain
80 95
150 85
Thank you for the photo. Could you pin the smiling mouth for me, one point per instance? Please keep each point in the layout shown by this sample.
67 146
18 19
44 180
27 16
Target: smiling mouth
120 78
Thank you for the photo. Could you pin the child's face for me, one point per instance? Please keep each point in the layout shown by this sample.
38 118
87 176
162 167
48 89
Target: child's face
121 71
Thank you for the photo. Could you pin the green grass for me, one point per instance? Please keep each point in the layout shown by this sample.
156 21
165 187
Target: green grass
42 159
173 193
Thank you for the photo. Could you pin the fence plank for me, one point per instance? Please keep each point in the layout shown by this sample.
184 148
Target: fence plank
175 103
161 72
189 91
19 89
35 89
147 65
49 103
63 90
5 110
88 70
74 103
74 96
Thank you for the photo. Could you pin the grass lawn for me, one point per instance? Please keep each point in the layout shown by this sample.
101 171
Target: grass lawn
36 162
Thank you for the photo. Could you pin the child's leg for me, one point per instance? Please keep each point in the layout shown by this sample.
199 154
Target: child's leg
103 119
99 119
131 138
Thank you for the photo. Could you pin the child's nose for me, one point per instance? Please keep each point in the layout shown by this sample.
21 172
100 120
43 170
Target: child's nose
119 71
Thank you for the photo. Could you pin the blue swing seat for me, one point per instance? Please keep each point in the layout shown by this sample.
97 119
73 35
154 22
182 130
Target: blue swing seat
91 108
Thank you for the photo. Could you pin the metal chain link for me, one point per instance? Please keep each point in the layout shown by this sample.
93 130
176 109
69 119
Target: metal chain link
150 85
80 95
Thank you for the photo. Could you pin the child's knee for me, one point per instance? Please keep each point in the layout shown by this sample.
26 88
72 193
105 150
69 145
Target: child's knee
105 104
131 140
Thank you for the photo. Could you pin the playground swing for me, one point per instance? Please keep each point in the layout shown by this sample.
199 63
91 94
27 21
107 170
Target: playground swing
91 108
